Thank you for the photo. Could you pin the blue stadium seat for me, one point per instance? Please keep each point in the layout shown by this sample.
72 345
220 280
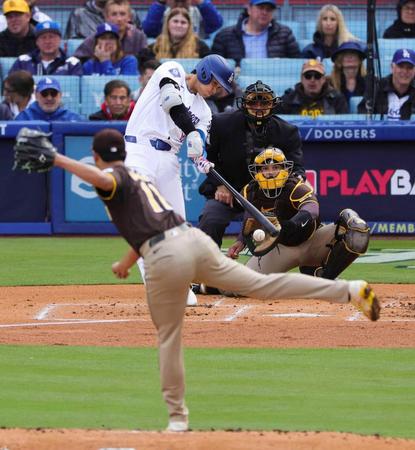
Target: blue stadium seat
279 85
92 90
303 43
310 28
387 47
296 28
72 45
5 64
353 102
358 27
188 63
272 67
70 90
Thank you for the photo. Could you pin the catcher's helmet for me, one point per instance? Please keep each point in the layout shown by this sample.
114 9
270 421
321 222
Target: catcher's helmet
258 103
271 170
215 66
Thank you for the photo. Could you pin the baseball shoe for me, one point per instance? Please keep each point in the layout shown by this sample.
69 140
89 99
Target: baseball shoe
204 290
191 298
363 297
178 425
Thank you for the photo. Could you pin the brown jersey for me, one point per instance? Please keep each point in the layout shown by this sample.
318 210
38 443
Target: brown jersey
136 207
294 195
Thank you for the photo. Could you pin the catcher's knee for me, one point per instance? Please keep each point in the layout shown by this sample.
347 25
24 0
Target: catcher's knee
353 230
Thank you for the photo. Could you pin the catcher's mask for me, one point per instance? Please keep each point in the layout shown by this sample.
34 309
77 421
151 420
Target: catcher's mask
258 103
271 170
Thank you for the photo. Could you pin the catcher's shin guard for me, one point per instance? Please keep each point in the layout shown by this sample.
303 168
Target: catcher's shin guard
351 240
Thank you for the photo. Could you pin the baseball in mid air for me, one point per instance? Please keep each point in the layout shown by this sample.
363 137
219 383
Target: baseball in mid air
259 235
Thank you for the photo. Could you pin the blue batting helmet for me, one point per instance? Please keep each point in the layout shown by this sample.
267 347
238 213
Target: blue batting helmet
215 66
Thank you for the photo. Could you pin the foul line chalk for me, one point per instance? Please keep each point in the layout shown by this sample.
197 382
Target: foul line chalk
237 313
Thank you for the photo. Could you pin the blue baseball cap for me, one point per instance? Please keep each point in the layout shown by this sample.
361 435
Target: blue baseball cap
48 83
350 46
47 27
263 2
107 28
404 55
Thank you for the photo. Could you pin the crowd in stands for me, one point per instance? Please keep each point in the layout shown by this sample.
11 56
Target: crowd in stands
115 42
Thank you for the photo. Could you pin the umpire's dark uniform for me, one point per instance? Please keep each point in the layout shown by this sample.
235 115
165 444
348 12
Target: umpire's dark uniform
232 147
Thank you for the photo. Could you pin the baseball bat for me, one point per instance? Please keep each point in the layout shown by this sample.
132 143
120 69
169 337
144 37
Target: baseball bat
248 206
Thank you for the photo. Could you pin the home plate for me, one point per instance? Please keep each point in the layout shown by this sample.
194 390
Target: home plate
298 315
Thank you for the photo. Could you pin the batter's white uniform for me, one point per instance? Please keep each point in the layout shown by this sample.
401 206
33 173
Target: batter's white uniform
153 139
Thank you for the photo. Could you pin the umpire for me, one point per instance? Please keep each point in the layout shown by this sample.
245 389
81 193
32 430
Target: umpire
236 138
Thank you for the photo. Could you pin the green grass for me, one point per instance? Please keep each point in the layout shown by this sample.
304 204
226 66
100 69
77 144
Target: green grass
87 260
364 391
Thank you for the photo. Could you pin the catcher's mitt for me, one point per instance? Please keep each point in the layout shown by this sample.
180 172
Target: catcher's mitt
33 151
258 248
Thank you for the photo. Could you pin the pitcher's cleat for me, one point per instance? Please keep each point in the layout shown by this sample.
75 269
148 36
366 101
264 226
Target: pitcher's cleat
363 297
178 426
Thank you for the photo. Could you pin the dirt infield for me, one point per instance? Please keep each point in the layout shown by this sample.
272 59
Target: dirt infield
117 315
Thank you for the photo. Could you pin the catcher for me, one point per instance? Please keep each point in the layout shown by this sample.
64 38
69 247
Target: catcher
153 230
320 250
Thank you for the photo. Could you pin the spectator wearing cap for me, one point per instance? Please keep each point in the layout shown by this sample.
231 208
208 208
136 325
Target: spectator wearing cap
204 16
48 106
18 90
404 25
133 40
48 58
83 21
37 16
256 35
109 59
313 96
349 72
331 31
18 38
395 95
117 104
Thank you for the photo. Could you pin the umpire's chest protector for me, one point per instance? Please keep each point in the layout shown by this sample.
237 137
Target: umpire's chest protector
230 151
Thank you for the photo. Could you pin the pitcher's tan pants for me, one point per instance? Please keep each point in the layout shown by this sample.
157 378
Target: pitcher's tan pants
192 256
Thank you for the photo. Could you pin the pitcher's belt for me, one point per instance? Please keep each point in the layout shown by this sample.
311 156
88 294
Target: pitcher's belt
162 236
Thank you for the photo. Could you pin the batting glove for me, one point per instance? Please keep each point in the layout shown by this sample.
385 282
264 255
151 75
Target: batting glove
203 165
195 145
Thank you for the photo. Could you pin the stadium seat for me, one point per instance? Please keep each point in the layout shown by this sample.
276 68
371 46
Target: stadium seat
5 64
387 47
295 27
188 63
272 67
72 45
358 27
92 90
353 102
70 90
279 85
310 28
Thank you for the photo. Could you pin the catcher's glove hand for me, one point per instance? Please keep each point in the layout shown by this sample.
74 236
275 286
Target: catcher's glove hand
258 248
33 151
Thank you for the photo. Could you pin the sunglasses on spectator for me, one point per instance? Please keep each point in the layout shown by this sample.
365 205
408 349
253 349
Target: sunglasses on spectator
315 75
49 92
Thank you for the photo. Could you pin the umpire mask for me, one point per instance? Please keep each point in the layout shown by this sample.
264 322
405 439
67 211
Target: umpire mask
258 103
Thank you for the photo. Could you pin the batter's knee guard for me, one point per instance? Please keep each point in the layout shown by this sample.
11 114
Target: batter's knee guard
351 240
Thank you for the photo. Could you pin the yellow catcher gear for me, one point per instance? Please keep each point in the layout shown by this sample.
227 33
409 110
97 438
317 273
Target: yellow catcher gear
271 170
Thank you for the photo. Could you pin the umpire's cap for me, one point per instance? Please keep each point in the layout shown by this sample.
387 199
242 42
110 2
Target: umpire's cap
109 144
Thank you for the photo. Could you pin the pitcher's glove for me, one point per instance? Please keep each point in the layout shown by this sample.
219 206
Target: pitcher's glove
33 151
258 248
